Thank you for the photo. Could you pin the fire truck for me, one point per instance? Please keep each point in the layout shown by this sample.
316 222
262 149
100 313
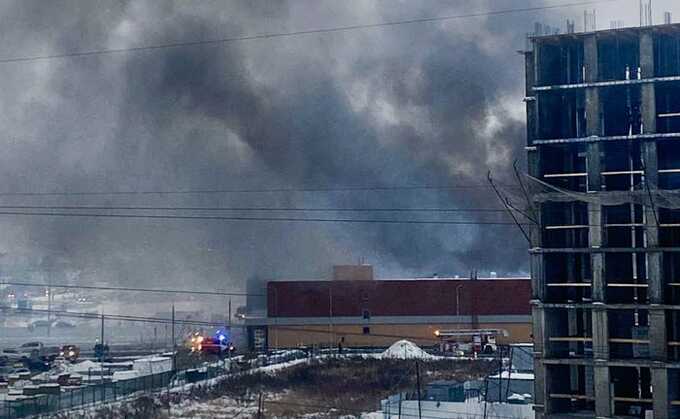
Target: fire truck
478 341
218 344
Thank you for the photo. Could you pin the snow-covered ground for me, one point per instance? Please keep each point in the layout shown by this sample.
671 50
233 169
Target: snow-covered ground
457 410
223 407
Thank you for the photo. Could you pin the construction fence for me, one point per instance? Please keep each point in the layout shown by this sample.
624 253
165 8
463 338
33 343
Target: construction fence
66 398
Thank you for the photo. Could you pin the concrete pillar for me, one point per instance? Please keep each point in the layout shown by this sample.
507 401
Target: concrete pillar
654 259
590 60
656 286
534 162
648 96
598 286
594 164
530 101
593 113
595 223
603 394
540 390
660 393
538 288
536 230
540 332
658 342
646 54
600 333
648 108
650 158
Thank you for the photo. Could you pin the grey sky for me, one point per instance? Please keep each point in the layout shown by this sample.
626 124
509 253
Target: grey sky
436 103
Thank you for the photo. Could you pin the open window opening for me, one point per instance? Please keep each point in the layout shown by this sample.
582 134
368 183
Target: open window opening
573 396
561 62
620 106
619 57
564 166
632 390
568 277
673 335
628 334
666 55
624 226
569 333
674 392
669 234
671 277
561 114
667 107
565 224
626 277
668 160
622 168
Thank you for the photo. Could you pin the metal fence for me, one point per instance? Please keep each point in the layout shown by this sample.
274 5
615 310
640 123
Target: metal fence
110 391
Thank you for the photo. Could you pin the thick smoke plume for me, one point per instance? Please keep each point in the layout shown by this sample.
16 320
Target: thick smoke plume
421 104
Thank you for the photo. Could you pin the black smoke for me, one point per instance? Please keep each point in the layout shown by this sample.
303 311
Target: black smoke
422 104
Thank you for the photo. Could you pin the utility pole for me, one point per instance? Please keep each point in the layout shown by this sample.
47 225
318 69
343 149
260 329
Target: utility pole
500 374
399 412
507 389
330 316
101 335
420 413
174 361
49 306
101 360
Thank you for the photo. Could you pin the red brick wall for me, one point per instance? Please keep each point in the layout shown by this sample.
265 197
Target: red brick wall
398 298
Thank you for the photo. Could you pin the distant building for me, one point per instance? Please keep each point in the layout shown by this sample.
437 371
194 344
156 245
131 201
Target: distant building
445 391
376 313
507 386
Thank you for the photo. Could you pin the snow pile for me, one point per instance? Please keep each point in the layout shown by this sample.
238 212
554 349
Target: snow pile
84 367
405 349
152 365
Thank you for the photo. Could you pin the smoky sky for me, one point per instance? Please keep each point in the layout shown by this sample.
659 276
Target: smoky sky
422 104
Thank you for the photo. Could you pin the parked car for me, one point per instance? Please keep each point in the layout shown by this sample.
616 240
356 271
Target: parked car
11 355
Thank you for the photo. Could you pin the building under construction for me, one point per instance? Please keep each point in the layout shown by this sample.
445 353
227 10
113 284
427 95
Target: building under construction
603 119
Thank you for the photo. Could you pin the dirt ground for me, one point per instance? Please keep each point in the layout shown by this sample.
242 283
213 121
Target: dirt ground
328 388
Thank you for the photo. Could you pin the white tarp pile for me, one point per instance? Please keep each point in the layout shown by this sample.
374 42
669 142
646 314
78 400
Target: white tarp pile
405 349
152 365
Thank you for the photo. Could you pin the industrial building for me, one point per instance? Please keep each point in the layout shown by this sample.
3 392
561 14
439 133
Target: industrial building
356 310
603 142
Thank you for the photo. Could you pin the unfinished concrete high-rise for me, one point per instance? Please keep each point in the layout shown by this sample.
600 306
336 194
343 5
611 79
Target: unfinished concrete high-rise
603 128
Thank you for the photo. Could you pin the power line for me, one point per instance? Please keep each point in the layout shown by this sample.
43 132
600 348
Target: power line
297 209
120 317
132 289
268 219
264 36
255 190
